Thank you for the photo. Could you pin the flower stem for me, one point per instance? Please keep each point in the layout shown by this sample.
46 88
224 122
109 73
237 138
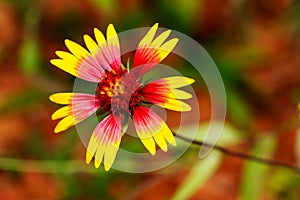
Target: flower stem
243 155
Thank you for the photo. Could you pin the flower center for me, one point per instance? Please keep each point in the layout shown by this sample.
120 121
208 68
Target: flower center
118 93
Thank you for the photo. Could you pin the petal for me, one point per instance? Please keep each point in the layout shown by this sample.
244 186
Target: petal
110 154
159 40
176 105
91 65
146 41
108 54
65 65
113 47
168 103
79 107
61 98
62 112
149 143
177 81
152 51
99 37
104 142
84 105
162 93
68 57
180 94
65 123
165 91
161 141
112 36
90 43
166 48
78 51
79 63
150 127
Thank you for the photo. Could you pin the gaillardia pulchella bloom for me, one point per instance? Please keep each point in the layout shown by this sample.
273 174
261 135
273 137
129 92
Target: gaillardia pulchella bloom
119 94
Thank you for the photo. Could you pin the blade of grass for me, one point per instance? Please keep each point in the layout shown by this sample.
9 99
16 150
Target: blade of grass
201 172
254 174
29 55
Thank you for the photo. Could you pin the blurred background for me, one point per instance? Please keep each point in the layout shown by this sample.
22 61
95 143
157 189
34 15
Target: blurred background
256 46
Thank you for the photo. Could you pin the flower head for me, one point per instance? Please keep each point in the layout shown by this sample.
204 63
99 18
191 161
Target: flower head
119 94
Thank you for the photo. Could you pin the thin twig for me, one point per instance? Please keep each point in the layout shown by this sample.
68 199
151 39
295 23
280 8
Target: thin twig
243 155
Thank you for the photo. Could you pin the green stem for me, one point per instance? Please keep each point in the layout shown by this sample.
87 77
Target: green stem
243 155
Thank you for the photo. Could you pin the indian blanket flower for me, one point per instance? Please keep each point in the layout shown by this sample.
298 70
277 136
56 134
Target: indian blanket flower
120 93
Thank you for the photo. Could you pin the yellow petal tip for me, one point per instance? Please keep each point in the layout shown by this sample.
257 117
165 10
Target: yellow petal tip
97 163
88 157
67 41
53 117
173 142
164 148
57 129
190 80
155 25
56 62
51 97
52 61
107 168
186 108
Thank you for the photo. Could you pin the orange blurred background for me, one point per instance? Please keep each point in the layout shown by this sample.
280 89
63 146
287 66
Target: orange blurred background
256 47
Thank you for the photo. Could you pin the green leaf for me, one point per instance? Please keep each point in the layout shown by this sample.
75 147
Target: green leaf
238 109
283 184
29 55
183 12
254 174
201 172
108 7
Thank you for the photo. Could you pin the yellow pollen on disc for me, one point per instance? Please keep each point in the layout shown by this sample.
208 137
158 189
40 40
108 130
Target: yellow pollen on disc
120 88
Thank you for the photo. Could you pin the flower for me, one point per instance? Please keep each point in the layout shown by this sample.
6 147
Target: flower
119 94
